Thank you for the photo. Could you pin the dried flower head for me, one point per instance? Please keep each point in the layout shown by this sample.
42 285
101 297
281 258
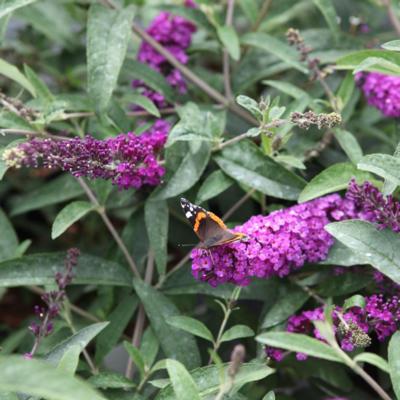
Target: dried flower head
309 118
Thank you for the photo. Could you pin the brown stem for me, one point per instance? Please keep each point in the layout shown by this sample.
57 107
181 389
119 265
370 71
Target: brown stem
394 20
204 86
141 316
262 14
320 146
110 227
226 59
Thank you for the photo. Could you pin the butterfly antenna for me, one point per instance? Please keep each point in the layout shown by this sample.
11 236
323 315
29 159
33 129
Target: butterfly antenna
186 244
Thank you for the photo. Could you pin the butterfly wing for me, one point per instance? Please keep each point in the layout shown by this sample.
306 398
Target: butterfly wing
210 229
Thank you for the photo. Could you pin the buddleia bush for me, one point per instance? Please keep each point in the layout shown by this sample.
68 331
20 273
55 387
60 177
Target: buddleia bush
199 200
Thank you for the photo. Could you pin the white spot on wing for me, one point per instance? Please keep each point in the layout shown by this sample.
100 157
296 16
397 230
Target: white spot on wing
188 214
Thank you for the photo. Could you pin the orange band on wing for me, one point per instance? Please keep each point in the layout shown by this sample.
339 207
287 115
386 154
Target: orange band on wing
217 219
200 215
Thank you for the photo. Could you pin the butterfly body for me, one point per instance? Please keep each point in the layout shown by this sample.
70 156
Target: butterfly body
210 229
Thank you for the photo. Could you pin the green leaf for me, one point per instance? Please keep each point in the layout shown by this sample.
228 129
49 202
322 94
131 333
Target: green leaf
328 11
230 40
276 47
80 339
353 60
250 8
69 361
269 396
378 64
41 90
69 215
149 347
394 362
349 144
289 300
118 321
159 310
110 380
377 247
247 164
215 183
157 221
183 384
14 74
249 104
8 238
373 359
393 45
8 6
344 284
39 269
237 332
188 173
384 165
108 33
151 78
287 88
334 178
208 382
346 90
388 186
145 103
339 254
56 191
299 343
37 378
134 354
354 301
192 326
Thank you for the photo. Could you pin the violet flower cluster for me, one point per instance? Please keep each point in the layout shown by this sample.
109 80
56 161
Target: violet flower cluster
381 91
53 302
353 327
130 161
374 206
175 34
276 244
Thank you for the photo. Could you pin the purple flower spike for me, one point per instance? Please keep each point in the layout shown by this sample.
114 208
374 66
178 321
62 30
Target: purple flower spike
175 34
381 91
276 244
130 161
374 206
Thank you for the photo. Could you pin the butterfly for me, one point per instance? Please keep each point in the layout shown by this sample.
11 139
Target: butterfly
210 229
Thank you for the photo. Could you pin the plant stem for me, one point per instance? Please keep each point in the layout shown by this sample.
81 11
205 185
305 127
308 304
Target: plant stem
359 371
394 20
262 14
141 316
204 86
88 359
110 227
230 305
226 58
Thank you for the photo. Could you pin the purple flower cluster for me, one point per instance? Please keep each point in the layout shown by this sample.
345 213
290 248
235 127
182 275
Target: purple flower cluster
374 206
128 160
380 316
53 301
175 34
381 91
276 244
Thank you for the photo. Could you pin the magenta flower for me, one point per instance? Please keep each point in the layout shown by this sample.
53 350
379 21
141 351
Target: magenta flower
128 160
381 91
353 327
374 206
276 244
175 34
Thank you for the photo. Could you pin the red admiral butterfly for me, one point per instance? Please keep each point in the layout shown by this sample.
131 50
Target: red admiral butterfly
210 229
